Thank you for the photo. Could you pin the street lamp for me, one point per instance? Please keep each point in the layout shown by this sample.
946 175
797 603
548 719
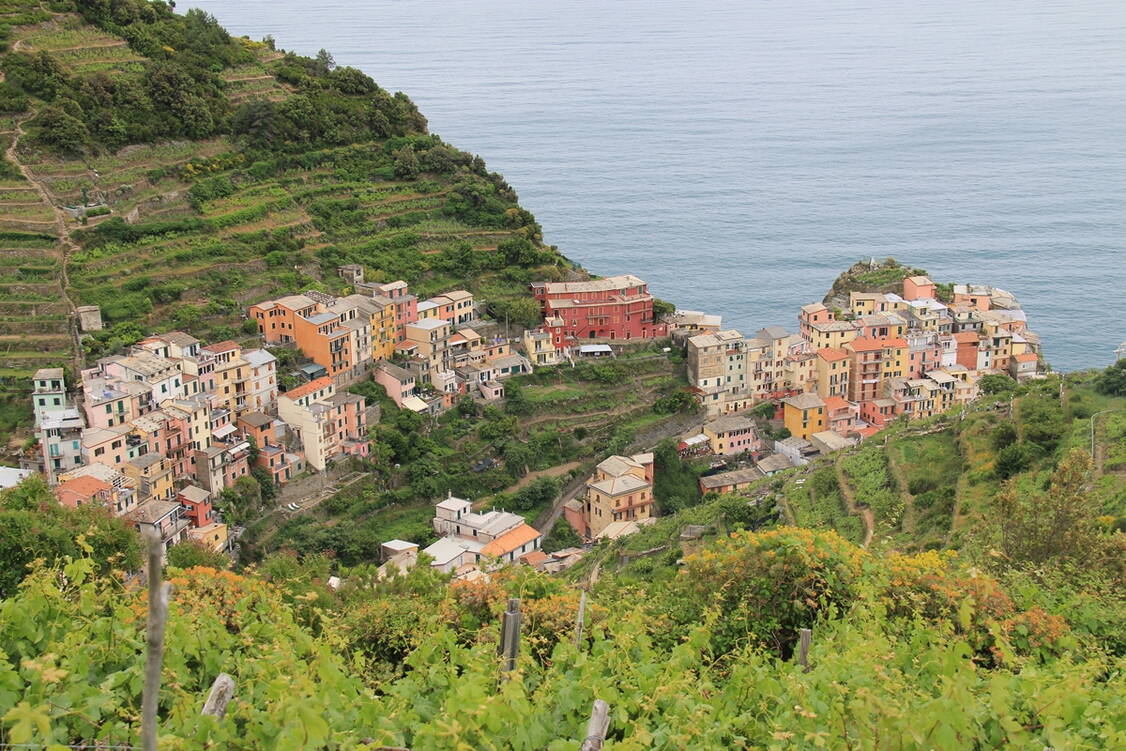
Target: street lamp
1093 417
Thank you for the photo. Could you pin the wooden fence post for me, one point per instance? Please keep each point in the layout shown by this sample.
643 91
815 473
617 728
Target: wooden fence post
154 653
579 620
509 645
222 691
805 636
597 727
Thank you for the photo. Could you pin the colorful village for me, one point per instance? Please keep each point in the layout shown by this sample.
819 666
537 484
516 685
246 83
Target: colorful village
157 434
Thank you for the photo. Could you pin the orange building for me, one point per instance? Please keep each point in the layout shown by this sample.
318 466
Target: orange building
919 288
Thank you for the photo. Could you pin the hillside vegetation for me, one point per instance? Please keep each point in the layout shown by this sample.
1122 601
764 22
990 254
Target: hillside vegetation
205 172
925 651
557 421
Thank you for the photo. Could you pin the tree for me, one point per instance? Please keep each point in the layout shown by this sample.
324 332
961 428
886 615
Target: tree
516 401
678 401
764 411
1112 381
407 166
61 131
562 535
1011 460
1035 528
34 526
325 62
662 308
193 553
995 383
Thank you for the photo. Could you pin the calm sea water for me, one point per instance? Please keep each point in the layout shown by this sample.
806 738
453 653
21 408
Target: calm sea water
738 153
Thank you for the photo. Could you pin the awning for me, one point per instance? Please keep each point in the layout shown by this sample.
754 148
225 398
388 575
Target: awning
224 431
414 404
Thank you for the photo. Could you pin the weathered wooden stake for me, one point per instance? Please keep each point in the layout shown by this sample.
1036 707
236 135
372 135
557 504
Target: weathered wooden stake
222 691
805 636
579 620
157 617
509 645
597 727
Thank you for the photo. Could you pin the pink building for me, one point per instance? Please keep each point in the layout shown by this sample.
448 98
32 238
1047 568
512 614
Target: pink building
968 344
841 415
877 412
406 305
919 288
924 353
399 382
814 313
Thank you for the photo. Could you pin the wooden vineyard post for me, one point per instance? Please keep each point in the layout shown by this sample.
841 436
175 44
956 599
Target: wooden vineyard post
154 653
579 620
509 645
805 636
222 691
597 727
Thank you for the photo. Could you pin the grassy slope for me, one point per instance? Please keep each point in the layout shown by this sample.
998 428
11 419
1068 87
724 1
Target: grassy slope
938 475
569 421
201 279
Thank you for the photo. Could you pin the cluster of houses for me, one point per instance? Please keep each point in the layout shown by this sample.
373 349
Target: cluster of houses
425 354
159 432
846 373
473 543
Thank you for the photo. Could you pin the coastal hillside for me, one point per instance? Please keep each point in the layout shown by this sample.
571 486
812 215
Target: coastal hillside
692 632
170 174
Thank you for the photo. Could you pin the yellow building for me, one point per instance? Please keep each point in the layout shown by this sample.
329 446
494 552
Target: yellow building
153 475
231 376
832 369
833 334
803 415
384 334
620 490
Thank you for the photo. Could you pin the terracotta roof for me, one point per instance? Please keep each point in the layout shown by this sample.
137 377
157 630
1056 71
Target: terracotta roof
895 342
535 559
511 540
224 346
965 337
84 486
865 344
1027 357
832 354
308 388
836 402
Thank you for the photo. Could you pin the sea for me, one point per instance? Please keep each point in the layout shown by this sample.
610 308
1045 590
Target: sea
739 154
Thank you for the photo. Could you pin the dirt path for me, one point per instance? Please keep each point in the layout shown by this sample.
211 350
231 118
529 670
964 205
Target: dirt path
864 513
531 477
908 519
65 242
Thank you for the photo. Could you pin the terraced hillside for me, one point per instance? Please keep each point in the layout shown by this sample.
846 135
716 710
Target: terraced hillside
171 174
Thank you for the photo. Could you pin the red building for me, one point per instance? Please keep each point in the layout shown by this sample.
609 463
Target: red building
197 505
618 307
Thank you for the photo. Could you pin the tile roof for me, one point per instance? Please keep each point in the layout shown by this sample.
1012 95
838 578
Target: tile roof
84 486
832 354
804 401
511 540
223 346
608 284
308 388
734 477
